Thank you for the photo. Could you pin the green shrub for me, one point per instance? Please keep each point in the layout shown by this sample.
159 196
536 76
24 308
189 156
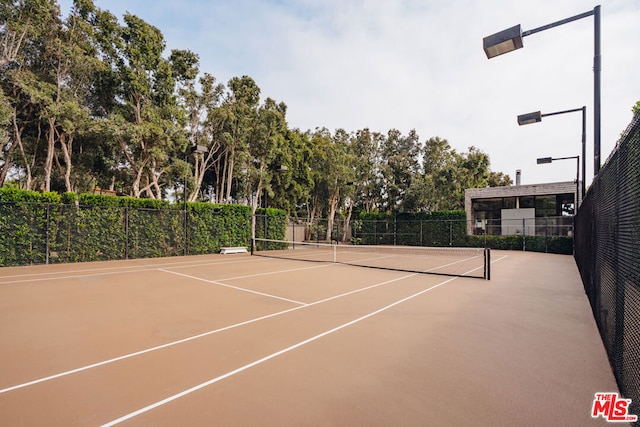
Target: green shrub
47 227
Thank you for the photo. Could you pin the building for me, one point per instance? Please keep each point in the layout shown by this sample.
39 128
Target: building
535 209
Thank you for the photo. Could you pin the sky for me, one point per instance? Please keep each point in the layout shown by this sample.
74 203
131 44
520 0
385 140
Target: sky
419 64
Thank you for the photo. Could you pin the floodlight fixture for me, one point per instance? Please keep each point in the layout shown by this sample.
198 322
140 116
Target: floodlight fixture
511 39
544 160
503 42
527 119
535 117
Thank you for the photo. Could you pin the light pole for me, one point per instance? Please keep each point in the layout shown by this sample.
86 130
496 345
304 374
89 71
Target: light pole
511 39
544 160
536 117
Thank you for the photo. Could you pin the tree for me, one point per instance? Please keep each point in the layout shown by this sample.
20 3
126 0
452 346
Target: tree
364 148
499 179
28 28
291 187
401 163
264 145
149 125
238 113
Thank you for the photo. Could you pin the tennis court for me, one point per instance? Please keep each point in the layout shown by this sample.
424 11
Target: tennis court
248 340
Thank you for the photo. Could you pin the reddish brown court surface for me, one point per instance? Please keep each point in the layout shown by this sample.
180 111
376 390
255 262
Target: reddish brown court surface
237 340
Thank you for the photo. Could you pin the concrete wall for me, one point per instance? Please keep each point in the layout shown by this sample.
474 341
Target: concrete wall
513 191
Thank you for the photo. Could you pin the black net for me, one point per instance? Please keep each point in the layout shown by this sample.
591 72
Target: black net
463 262
608 256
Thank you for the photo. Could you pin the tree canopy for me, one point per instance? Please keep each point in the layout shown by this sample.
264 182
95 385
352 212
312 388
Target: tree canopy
91 101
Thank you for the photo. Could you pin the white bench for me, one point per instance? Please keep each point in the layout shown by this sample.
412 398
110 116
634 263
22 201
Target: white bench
233 250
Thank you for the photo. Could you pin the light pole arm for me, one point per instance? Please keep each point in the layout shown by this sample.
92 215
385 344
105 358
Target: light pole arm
558 23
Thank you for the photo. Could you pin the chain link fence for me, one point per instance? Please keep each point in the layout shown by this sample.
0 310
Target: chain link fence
39 233
608 257
544 234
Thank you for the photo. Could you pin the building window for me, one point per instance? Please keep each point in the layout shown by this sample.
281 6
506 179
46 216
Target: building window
546 206
509 203
527 202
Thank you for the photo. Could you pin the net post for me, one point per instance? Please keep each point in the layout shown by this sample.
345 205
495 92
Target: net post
335 254
487 263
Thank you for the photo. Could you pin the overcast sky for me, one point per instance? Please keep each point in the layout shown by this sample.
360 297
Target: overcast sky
419 64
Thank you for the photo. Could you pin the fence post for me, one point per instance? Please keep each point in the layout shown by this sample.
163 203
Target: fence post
185 222
375 232
524 235
47 236
546 235
126 232
395 228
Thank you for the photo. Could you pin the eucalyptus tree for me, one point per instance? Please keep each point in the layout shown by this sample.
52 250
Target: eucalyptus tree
499 179
264 146
76 64
433 186
26 28
204 123
149 125
291 186
320 141
400 163
332 171
238 113
365 149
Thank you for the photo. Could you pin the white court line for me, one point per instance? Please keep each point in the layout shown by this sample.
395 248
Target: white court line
274 272
204 334
194 337
107 273
269 357
215 282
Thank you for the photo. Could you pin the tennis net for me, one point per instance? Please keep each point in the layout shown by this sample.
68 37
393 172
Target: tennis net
458 262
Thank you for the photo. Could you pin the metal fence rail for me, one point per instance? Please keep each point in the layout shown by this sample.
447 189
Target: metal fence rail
608 257
44 233
544 234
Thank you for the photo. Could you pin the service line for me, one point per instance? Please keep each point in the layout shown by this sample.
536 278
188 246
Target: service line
195 337
271 356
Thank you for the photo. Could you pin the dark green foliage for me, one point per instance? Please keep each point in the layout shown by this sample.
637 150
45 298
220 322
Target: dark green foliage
550 244
276 223
36 228
445 228
212 227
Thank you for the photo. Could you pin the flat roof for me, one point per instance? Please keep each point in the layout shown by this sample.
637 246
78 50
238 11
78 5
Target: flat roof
521 190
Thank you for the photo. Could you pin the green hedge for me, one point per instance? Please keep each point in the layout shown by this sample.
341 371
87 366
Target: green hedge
446 228
36 228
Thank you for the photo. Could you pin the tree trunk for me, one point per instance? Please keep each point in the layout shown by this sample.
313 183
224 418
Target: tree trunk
345 228
51 142
230 164
17 138
8 163
333 205
254 208
222 173
66 142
